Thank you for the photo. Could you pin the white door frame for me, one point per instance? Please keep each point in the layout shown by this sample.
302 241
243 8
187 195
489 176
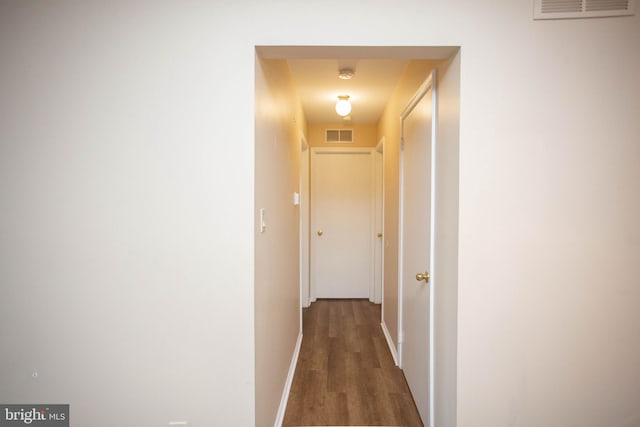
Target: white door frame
346 150
305 299
378 285
429 83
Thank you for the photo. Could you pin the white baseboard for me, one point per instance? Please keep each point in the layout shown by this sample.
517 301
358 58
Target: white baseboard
392 347
288 382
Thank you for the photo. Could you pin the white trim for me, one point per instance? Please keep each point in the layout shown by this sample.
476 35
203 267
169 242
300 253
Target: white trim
400 243
392 348
422 91
305 278
372 232
379 222
432 251
288 382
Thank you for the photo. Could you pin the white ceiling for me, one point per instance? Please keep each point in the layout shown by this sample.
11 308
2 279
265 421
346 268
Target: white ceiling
377 72
318 86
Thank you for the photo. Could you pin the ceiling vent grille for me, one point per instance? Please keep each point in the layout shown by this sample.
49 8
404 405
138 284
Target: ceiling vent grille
566 9
339 136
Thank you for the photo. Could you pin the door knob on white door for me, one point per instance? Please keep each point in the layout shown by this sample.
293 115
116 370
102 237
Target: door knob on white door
320 232
423 277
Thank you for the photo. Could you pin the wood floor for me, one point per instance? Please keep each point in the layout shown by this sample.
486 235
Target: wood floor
345 374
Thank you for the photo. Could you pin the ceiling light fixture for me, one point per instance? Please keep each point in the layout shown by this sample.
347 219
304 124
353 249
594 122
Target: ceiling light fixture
346 73
343 106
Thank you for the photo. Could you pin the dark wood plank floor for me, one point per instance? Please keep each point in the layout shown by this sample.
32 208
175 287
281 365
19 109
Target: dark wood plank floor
345 373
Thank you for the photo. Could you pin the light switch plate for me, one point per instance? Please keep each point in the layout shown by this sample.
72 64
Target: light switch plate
263 225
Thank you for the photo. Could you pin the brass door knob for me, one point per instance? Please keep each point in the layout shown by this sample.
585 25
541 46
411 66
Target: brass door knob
379 235
423 276
320 232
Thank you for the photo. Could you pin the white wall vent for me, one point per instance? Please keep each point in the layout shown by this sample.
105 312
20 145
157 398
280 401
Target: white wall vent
566 9
338 135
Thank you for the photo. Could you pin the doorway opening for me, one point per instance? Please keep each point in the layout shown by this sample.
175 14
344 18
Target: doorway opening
304 66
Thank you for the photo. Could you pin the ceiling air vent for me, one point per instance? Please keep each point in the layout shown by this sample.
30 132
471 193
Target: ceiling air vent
338 135
566 9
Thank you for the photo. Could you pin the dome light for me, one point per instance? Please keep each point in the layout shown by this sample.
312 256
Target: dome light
343 106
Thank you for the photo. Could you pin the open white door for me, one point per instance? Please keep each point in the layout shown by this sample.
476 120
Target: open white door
418 131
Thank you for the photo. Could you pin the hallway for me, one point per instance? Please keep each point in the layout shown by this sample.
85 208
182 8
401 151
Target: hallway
345 374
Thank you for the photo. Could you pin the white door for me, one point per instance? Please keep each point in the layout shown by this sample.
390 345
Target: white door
378 259
417 127
342 220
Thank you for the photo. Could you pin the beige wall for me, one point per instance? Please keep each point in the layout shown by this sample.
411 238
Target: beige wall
127 159
279 123
363 135
127 224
